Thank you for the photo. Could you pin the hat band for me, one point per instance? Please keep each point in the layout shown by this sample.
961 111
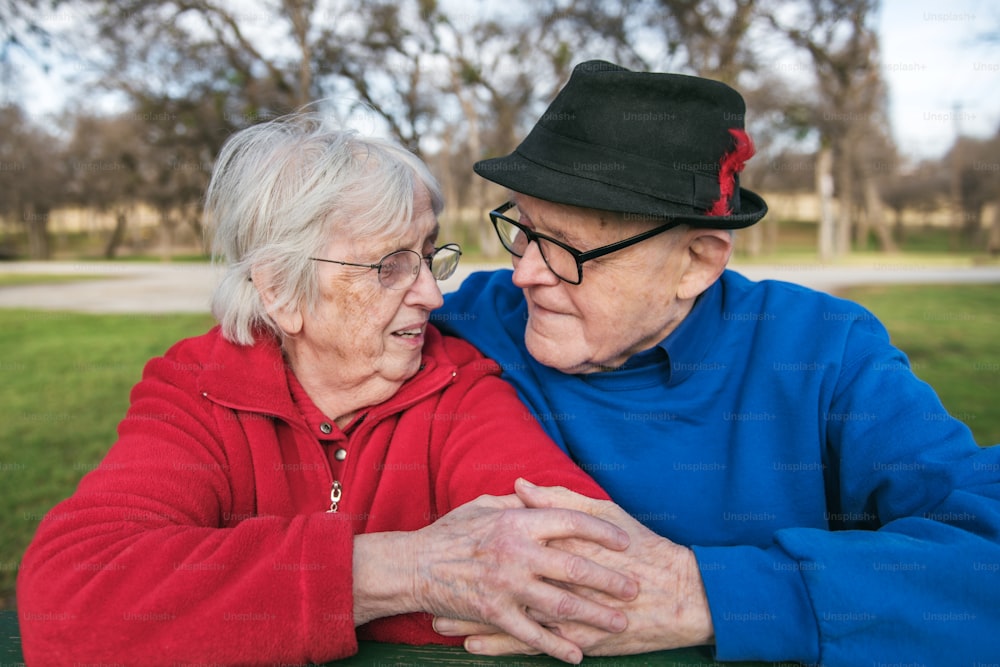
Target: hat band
686 184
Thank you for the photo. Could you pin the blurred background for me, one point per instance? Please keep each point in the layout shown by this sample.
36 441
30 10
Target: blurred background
877 127
876 123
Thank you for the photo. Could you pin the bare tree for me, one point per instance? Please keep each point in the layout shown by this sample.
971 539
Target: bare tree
31 177
714 35
193 72
386 54
23 39
920 189
466 84
30 162
453 84
978 172
106 157
843 49
501 76
876 161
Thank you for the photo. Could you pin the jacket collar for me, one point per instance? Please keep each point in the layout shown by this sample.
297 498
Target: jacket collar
249 377
253 377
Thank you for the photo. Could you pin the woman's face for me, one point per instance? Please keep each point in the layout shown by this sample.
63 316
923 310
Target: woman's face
361 336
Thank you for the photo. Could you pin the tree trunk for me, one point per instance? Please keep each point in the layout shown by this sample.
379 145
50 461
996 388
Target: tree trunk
489 244
993 242
117 236
876 217
862 228
451 219
824 190
194 220
770 235
845 199
166 237
755 241
899 227
955 192
972 224
36 221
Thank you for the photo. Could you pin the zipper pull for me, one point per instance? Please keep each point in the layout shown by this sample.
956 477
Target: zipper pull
335 493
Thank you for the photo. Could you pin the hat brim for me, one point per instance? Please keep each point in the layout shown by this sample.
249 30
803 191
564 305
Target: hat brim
520 174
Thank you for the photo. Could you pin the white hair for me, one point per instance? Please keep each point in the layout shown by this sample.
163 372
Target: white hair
281 190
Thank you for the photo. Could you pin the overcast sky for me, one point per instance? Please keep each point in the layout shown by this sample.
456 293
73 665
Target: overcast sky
942 75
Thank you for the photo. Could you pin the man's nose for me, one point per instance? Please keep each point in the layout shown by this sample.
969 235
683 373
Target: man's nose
531 269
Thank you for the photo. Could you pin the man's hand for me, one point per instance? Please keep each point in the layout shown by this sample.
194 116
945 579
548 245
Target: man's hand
488 562
670 611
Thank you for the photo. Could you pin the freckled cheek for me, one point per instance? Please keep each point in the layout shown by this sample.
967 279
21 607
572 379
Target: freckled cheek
360 316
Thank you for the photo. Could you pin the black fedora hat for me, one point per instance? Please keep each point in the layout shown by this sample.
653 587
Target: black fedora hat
664 146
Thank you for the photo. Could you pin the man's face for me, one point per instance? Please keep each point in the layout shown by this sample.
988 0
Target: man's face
626 303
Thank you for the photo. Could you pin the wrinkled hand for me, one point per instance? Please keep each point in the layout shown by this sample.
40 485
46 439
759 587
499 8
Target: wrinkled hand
670 611
488 562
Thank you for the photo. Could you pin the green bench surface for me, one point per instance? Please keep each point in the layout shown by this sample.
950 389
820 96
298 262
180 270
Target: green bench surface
393 655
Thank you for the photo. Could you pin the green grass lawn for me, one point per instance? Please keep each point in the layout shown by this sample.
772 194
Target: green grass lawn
66 379
64 385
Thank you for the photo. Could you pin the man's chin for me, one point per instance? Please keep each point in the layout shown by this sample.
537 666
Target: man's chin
554 354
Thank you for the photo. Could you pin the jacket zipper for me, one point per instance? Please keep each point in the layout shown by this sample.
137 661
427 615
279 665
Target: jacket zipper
336 487
335 492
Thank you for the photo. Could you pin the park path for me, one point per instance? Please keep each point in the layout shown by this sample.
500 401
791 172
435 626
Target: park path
127 287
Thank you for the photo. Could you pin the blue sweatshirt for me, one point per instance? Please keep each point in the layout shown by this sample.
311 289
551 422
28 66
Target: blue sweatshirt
838 513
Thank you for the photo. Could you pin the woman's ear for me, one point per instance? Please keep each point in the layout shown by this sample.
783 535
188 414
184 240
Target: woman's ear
708 254
288 318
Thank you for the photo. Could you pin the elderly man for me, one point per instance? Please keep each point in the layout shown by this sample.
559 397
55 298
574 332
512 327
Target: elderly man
795 492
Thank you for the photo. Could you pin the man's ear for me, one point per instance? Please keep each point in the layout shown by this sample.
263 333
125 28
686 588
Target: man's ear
289 317
708 253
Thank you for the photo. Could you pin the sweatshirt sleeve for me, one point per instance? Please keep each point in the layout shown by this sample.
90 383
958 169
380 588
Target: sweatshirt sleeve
159 557
908 572
492 439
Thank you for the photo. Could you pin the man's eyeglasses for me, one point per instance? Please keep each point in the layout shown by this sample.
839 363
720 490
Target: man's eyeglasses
399 269
563 260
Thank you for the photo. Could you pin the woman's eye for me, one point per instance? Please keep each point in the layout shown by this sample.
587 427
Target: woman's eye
390 266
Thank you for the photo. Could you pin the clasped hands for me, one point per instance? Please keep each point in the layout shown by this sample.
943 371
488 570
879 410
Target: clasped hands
604 586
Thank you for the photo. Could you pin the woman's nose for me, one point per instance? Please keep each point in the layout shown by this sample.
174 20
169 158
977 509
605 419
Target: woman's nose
425 291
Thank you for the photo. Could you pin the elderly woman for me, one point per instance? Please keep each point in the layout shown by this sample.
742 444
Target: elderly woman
276 487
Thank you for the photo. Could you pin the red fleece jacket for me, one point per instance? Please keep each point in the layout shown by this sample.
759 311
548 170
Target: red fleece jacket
203 536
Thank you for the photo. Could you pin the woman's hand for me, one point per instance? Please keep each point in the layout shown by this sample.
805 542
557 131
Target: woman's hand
670 611
489 562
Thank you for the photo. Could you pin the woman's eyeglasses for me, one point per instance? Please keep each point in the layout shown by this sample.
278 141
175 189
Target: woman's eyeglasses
399 269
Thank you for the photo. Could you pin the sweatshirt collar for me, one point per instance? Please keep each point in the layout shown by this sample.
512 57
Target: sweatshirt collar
688 345
683 353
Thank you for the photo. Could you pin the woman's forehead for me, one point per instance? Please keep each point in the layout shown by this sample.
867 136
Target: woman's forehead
412 236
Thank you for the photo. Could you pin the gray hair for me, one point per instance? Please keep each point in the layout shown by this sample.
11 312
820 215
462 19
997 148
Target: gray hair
281 190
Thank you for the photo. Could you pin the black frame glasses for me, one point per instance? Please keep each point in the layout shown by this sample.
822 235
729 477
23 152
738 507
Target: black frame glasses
442 262
499 221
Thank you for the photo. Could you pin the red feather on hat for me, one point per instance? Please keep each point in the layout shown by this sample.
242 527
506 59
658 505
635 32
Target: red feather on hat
731 164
